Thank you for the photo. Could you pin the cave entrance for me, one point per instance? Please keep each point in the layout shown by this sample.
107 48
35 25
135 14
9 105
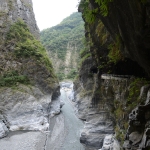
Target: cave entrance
94 70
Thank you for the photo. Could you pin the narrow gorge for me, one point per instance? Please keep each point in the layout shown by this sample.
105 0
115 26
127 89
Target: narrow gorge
63 43
104 49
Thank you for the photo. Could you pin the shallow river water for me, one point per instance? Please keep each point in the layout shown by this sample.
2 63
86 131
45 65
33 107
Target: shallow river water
68 132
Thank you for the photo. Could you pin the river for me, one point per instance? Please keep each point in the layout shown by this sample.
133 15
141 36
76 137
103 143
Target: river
67 138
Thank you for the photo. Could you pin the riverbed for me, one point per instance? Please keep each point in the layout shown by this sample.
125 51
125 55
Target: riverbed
64 133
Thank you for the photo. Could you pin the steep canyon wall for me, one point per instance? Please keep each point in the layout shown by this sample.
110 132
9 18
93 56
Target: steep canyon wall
27 80
113 97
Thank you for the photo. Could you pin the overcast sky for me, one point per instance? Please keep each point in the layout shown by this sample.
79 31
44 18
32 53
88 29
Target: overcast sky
49 13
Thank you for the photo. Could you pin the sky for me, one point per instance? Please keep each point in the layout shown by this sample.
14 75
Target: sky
49 13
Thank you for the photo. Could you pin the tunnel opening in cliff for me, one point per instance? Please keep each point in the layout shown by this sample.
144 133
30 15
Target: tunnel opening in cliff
129 67
122 67
94 70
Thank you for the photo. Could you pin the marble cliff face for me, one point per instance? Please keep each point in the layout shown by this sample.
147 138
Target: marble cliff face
11 10
24 106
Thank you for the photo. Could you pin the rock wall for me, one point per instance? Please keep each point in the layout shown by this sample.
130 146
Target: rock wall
106 109
28 85
138 132
95 99
11 10
115 93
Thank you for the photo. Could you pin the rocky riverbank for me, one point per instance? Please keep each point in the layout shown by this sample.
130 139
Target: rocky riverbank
62 131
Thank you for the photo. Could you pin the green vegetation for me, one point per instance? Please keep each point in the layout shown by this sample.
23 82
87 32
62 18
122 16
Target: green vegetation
29 6
134 91
72 74
61 76
90 13
84 58
103 4
101 32
84 93
120 134
26 45
11 78
71 30
10 4
84 53
66 36
123 108
2 13
143 1
114 51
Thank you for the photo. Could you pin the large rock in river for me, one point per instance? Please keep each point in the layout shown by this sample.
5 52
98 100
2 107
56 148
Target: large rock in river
25 108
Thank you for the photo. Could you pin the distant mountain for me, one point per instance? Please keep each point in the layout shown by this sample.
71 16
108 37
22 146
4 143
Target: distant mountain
63 43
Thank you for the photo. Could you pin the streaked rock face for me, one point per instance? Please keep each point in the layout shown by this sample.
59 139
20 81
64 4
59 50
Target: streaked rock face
12 10
104 121
94 97
138 134
26 108
3 129
110 143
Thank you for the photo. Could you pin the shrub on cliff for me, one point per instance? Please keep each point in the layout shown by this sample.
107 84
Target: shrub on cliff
30 60
12 78
25 44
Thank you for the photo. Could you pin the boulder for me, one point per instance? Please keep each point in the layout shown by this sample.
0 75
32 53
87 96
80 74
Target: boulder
27 108
3 129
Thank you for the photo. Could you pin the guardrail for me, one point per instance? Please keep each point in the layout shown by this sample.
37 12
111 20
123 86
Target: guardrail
115 77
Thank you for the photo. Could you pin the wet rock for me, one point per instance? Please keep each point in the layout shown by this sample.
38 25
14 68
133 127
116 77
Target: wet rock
3 129
61 104
91 139
138 133
99 119
144 92
94 132
66 84
148 97
110 143
107 144
127 144
82 107
71 95
55 107
135 137
25 110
